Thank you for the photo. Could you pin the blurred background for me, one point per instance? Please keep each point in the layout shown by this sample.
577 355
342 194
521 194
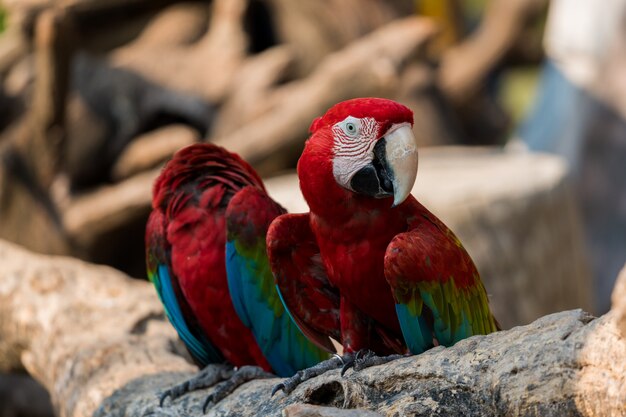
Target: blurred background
520 111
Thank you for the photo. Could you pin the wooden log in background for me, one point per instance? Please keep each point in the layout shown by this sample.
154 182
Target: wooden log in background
261 117
370 66
98 342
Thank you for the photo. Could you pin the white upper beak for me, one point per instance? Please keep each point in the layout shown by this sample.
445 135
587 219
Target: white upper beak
401 152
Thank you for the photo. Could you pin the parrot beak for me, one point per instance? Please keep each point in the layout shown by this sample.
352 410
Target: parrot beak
393 168
401 152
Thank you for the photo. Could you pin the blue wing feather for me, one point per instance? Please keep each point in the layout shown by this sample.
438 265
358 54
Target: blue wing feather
416 333
235 284
259 307
200 348
252 287
159 272
419 334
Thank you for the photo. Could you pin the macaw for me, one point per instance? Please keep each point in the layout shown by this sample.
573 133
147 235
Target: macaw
206 256
369 266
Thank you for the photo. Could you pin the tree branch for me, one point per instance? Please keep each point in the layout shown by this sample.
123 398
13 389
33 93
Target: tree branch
96 339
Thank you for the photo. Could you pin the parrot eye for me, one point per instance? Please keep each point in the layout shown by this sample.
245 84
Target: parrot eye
351 126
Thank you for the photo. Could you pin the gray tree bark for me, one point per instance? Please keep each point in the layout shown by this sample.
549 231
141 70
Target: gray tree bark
98 342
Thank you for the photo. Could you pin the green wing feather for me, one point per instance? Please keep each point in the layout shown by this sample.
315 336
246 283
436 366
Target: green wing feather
439 295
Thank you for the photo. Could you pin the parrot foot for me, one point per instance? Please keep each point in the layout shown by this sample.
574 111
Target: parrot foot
290 384
237 379
206 378
366 358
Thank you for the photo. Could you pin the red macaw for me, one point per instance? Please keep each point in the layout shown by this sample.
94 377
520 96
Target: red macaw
369 265
206 256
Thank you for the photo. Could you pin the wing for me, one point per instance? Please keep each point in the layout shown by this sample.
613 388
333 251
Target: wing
301 279
166 284
252 287
438 292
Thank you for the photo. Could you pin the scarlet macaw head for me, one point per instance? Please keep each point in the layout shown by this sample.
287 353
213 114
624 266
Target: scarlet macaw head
370 145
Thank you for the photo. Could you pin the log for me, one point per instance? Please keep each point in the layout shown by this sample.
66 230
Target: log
253 88
27 215
53 34
90 14
12 48
206 67
240 28
97 341
151 149
370 66
320 28
91 216
465 67
307 410
515 214
179 24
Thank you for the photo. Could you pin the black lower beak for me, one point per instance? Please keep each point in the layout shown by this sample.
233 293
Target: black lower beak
376 178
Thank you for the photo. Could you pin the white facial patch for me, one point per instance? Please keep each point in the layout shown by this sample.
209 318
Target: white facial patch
354 143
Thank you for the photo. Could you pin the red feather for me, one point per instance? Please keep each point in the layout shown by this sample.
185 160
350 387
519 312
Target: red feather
301 278
191 194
